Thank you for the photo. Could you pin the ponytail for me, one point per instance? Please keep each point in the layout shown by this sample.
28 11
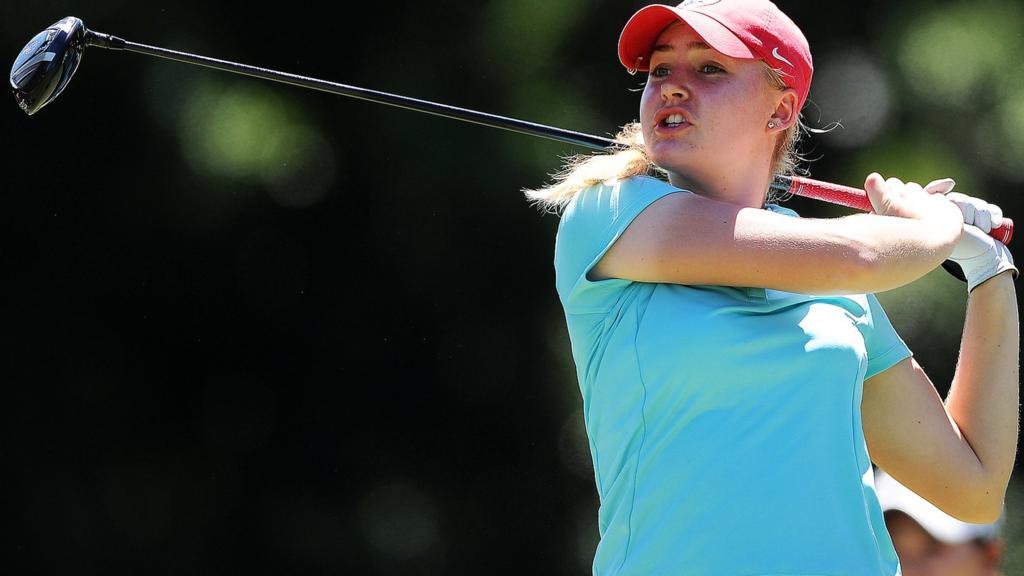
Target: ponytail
626 159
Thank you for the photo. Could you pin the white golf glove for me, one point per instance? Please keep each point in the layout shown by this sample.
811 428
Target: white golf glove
977 212
978 256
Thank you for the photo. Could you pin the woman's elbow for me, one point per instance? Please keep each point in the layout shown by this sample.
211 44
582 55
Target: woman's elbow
881 268
988 510
981 507
866 269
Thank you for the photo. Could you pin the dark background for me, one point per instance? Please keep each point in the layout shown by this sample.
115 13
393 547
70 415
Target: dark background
254 328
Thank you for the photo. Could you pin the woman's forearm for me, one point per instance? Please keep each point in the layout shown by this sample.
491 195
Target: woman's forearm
897 251
984 397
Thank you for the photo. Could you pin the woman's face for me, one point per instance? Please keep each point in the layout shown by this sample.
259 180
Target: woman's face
703 112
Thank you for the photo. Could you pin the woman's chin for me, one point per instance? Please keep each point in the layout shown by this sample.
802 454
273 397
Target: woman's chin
670 153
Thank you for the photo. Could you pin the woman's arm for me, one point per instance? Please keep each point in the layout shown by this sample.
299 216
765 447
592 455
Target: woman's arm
689 239
958 455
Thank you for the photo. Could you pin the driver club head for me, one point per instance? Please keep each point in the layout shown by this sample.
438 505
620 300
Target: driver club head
45 66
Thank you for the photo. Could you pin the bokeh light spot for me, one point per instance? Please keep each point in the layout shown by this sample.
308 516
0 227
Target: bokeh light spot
999 139
949 54
852 89
400 521
299 167
226 127
510 22
250 134
916 157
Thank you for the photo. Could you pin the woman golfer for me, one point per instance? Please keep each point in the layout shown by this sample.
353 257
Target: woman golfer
738 375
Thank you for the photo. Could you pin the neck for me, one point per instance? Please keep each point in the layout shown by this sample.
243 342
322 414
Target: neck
742 188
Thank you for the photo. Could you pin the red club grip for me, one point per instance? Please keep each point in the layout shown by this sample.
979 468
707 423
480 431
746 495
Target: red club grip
857 198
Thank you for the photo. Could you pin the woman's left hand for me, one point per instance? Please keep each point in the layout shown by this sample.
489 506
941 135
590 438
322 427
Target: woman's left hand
976 211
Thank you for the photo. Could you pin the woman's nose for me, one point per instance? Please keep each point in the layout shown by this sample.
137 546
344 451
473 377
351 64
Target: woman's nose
673 88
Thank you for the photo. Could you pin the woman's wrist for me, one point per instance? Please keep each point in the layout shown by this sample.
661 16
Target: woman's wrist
996 284
981 258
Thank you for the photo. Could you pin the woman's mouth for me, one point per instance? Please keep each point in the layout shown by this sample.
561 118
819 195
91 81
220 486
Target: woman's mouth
670 120
673 121
672 124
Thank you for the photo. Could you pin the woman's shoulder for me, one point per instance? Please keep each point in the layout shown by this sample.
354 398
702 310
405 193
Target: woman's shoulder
616 195
599 214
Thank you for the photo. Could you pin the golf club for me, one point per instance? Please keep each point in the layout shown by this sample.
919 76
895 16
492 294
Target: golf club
45 66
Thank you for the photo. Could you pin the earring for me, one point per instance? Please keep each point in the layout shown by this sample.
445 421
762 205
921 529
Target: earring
771 124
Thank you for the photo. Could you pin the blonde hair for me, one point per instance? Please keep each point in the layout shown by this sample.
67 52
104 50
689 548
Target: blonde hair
628 157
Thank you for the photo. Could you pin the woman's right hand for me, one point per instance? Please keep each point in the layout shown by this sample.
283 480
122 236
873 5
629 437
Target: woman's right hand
893 197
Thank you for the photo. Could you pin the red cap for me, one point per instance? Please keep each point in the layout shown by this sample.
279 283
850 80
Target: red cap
749 29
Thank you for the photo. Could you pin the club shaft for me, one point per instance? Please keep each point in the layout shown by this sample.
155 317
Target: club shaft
800 186
444 110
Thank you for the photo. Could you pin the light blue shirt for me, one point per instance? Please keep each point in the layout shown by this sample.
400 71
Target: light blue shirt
724 423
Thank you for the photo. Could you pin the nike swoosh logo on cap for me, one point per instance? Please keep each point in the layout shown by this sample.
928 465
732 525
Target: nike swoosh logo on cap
775 53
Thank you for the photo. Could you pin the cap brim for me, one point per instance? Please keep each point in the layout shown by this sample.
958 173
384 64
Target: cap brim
642 30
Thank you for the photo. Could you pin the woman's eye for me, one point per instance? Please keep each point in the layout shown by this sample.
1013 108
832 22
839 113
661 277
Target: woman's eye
660 71
711 69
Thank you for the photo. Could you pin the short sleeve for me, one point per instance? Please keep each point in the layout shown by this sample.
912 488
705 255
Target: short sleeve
591 223
884 346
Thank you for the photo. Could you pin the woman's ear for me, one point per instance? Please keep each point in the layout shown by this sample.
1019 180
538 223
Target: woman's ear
785 113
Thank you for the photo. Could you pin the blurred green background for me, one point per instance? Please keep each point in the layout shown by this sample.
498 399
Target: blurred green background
256 328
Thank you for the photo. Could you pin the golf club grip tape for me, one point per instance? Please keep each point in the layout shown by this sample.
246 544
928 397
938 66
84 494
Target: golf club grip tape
857 198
